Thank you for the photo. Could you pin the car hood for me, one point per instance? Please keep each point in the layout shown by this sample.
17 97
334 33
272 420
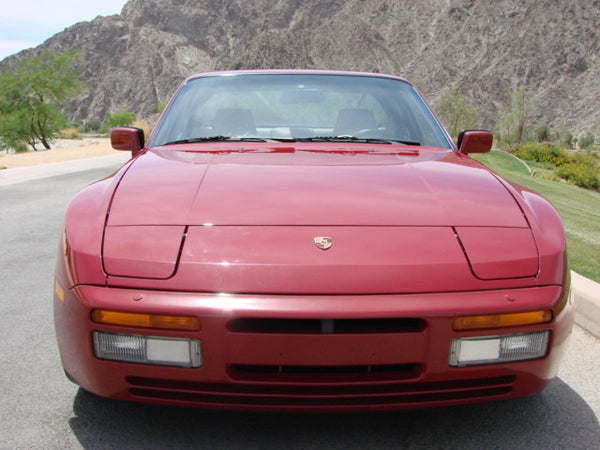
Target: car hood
300 186
255 222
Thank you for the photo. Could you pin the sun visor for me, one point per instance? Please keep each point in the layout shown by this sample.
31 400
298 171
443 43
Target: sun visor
142 251
499 253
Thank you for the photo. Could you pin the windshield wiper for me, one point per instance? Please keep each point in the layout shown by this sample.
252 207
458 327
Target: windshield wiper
405 142
359 140
353 139
215 139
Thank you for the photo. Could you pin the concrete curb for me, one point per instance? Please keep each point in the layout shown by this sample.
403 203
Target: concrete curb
586 294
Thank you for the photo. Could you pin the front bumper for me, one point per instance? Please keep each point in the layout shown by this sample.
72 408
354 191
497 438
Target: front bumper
311 353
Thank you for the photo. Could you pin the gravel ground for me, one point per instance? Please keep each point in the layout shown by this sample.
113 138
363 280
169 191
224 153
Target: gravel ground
63 150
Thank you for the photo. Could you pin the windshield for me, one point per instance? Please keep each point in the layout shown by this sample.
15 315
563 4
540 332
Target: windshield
291 107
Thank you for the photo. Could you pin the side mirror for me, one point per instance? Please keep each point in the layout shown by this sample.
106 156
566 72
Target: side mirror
474 141
127 138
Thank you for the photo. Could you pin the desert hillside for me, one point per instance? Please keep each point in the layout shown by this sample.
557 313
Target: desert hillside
486 48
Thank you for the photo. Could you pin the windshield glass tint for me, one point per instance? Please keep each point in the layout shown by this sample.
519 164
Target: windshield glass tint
299 106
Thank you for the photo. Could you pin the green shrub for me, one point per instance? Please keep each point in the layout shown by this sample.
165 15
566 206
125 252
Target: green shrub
93 125
568 139
587 141
549 155
543 133
20 147
579 173
580 169
121 119
587 158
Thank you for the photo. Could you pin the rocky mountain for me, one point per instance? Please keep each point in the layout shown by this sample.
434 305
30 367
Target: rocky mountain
486 48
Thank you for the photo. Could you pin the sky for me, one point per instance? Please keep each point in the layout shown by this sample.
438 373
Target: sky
28 23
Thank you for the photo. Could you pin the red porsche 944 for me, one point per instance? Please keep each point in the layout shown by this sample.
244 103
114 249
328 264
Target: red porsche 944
311 241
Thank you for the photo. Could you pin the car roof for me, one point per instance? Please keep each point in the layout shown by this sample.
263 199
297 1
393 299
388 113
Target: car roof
295 72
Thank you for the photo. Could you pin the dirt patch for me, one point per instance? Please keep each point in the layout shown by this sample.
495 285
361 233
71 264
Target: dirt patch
65 150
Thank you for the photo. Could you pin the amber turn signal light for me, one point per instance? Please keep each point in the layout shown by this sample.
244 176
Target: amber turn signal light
145 320
502 320
59 291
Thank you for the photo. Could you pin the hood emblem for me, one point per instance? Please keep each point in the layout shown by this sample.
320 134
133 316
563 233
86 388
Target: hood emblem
323 242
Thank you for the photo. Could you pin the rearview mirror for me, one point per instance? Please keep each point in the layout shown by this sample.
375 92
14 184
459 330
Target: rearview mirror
127 138
474 141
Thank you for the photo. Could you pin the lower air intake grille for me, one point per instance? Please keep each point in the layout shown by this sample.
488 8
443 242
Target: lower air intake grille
327 326
241 395
324 374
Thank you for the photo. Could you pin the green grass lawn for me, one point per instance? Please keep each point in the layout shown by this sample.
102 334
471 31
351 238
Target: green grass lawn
579 208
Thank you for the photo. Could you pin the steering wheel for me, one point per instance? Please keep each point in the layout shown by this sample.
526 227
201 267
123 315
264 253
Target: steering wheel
375 133
361 133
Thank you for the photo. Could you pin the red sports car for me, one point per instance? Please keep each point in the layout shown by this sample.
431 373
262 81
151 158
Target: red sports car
313 241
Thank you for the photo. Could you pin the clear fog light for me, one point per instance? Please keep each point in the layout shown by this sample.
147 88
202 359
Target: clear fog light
498 349
148 349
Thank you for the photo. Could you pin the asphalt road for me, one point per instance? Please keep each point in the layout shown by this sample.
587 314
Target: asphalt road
41 409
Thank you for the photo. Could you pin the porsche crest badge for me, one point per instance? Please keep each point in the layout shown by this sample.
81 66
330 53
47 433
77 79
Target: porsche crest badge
323 242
